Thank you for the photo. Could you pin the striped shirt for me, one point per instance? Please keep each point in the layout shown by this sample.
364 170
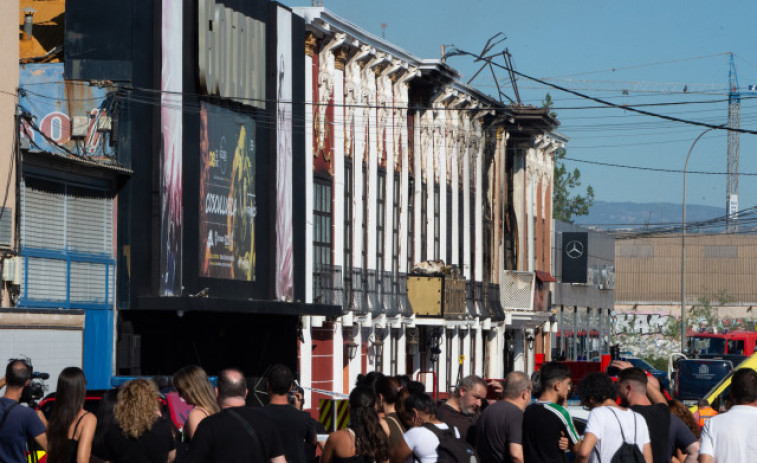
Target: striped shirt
544 423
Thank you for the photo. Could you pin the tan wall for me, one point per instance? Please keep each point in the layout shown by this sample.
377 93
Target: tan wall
649 269
9 12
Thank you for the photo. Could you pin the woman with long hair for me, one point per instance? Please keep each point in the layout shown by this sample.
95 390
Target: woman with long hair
140 433
71 428
105 419
364 440
421 440
192 384
388 391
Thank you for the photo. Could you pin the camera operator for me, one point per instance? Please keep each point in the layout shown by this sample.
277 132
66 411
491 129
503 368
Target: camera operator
294 426
18 422
297 399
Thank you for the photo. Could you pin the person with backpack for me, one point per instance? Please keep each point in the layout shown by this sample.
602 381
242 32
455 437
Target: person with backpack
430 440
613 434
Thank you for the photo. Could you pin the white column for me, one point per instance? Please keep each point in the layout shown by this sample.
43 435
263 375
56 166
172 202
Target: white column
500 365
418 169
443 159
358 182
369 333
386 362
338 359
429 153
401 351
370 83
530 358
443 362
389 138
405 196
416 366
478 368
530 208
491 353
479 206
338 229
519 190
467 264
454 356
455 238
467 335
306 358
308 167
519 356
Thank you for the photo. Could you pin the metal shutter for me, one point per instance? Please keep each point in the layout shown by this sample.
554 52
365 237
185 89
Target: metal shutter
67 245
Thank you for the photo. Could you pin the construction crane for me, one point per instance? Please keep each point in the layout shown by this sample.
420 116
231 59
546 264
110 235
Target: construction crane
734 122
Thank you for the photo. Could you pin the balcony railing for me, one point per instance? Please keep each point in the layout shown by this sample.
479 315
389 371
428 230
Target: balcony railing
389 293
403 303
470 304
327 285
371 291
478 297
358 302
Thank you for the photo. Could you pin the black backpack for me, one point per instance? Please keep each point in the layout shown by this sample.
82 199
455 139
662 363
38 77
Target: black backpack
451 448
627 453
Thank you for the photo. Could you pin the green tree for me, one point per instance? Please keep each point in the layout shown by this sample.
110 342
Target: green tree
567 202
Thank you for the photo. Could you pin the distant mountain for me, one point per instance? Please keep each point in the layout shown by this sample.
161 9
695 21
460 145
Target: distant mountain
636 215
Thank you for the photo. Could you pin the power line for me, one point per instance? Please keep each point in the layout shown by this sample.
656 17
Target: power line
458 51
655 169
636 66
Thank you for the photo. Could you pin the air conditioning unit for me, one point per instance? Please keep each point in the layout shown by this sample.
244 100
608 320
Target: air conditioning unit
12 270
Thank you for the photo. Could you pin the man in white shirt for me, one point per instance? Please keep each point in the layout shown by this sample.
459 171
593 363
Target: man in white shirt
730 436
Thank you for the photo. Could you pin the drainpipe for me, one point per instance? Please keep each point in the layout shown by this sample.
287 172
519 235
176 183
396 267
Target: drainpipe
28 22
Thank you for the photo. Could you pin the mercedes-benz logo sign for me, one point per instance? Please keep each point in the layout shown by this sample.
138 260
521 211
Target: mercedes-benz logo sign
574 249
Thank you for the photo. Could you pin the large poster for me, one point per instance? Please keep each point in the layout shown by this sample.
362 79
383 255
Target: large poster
575 257
227 194
284 258
171 156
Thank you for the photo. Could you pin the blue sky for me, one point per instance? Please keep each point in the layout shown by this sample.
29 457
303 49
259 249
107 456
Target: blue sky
655 48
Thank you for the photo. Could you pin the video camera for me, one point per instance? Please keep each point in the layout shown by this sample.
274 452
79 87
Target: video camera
36 388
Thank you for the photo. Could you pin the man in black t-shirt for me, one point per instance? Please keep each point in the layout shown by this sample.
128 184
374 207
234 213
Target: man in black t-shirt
462 409
499 438
237 433
295 427
632 389
548 429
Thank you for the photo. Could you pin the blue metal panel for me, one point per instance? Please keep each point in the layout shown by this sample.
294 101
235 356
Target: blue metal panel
68 257
53 103
98 348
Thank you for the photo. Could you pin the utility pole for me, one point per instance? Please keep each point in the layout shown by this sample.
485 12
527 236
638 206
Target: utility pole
734 122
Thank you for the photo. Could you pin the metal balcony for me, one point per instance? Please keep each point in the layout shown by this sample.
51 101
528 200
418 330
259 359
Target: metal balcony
327 285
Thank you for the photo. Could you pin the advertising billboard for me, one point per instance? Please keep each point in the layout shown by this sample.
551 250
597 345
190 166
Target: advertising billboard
227 194
171 72
575 257
284 257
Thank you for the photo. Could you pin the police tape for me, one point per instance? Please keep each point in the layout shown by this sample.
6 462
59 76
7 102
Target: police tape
325 392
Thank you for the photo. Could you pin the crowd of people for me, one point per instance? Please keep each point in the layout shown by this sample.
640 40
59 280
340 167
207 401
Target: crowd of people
392 419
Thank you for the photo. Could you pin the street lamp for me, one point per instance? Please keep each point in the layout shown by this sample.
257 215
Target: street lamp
683 245
351 347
